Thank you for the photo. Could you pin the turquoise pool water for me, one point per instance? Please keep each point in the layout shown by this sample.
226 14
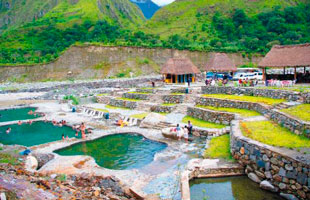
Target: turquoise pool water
229 188
37 133
16 114
121 151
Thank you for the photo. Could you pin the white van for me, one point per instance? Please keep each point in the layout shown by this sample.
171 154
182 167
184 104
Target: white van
258 76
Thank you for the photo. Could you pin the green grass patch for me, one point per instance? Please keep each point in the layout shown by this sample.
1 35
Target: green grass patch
202 123
139 92
102 110
103 94
300 111
253 99
177 93
168 104
219 147
115 107
127 99
300 89
162 113
242 112
139 116
273 134
7 158
75 100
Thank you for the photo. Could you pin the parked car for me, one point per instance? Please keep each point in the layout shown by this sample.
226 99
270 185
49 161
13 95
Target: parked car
210 75
258 76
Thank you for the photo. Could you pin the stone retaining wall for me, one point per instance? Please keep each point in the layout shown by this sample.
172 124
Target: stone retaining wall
136 96
286 171
250 91
123 103
162 109
110 83
103 99
210 116
293 124
146 90
179 90
173 98
226 103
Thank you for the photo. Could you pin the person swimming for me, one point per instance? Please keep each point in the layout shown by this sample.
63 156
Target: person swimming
8 130
19 123
63 137
30 112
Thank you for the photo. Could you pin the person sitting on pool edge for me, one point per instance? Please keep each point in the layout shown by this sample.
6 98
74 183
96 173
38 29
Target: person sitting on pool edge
63 137
19 123
185 135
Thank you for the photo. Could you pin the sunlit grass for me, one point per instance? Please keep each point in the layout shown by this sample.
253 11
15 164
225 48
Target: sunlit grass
103 94
301 111
139 92
294 88
242 112
254 99
202 123
128 99
139 116
168 104
219 147
273 134
115 107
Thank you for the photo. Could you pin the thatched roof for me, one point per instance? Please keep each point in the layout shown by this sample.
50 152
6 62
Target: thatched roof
287 56
220 62
178 66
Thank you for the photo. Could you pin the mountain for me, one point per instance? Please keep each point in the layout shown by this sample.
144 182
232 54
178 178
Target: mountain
148 7
185 17
36 31
15 13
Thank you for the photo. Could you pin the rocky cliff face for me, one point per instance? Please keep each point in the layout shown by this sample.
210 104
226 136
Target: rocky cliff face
97 62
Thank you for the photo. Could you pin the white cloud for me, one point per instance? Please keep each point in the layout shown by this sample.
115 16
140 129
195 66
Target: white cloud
162 2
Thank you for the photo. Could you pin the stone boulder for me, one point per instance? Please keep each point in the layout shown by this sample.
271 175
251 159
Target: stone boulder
266 185
43 158
288 196
31 163
152 120
254 177
169 133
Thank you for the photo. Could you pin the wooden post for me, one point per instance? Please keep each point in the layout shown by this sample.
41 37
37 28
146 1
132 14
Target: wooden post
264 74
295 73
284 70
304 70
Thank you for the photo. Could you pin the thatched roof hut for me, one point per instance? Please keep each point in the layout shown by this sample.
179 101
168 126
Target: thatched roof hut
287 56
178 66
220 62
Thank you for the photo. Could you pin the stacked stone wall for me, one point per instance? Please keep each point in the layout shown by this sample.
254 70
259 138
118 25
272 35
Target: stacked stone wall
250 91
173 98
210 116
285 170
123 103
136 96
293 124
162 109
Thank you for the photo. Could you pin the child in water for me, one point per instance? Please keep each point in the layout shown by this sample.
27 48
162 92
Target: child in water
8 130
63 137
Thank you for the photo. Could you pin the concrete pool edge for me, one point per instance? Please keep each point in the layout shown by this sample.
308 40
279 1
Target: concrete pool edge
89 165
207 168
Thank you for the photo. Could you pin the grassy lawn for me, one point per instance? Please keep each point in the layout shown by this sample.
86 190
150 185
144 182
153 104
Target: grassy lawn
219 147
242 112
273 134
139 116
102 110
127 99
168 104
177 93
115 107
202 123
301 111
254 99
294 88
139 92
103 94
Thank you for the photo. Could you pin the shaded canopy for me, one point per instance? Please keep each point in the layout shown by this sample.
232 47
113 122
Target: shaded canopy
178 66
220 62
287 56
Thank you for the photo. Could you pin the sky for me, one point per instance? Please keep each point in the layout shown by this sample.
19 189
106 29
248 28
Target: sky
162 2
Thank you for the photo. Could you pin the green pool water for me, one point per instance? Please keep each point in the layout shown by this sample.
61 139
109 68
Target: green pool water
16 114
229 188
120 151
37 133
